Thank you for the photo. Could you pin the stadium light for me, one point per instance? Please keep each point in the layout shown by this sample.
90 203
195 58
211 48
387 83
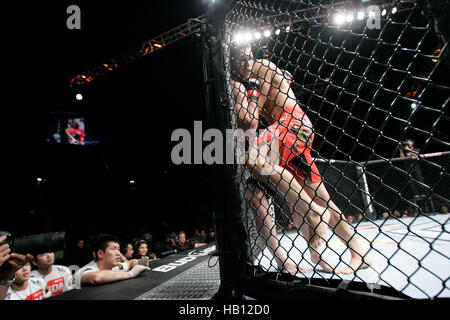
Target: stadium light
339 19
360 15
266 33
79 96
277 32
383 13
248 37
394 10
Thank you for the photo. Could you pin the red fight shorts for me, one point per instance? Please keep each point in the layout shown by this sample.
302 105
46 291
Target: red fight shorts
295 133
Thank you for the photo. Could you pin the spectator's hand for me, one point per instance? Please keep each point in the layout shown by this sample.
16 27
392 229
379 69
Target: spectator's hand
143 261
138 269
10 263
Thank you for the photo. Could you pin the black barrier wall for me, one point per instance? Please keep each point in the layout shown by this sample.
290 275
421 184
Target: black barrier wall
352 82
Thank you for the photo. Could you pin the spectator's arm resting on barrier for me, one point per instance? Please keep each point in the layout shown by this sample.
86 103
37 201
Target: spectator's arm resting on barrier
107 276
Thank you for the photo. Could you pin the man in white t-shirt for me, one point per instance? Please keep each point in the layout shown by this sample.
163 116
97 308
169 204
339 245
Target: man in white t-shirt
57 278
26 288
107 266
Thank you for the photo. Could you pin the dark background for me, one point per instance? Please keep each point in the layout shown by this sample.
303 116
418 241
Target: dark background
132 112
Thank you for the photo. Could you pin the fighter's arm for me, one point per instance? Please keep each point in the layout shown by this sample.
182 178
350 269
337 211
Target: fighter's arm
246 109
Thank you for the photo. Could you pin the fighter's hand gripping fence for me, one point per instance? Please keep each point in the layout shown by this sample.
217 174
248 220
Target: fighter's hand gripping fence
343 84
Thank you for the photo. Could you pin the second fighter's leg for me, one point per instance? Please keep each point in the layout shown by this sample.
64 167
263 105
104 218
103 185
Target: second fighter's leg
267 229
339 225
308 233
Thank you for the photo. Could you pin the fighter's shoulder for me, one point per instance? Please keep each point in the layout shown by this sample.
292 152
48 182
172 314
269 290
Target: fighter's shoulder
237 85
266 63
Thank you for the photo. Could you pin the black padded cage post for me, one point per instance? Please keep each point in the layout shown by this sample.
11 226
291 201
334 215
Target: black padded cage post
230 235
368 85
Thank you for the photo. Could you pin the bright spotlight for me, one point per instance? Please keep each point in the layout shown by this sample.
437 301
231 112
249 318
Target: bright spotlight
79 96
413 105
288 28
394 10
383 13
277 32
257 35
238 38
360 15
349 17
339 19
266 33
248 37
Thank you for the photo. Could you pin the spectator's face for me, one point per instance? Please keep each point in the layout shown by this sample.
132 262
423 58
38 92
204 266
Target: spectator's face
130 251
80 244
203 233
45 260
360 217
23 274
396 213
444 209
143 249
385 215
350 219
111 256
181 238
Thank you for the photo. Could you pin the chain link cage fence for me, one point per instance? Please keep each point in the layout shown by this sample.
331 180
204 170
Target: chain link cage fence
364 87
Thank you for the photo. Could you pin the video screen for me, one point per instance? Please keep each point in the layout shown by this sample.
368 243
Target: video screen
70 128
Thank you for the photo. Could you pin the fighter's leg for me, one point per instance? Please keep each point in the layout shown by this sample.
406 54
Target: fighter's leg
282 181
267 229
307 232
339 225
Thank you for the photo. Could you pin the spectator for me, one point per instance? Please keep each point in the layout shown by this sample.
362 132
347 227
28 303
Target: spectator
405 214
150 245
184 245
26 288
203 235
79 255
127 250
444 209
9 265
397 214
385 215
172 240
350 218
57 278
141 250
196 233
106 267
360 217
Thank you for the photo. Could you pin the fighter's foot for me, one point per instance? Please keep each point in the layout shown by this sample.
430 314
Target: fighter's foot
357 263
292 269
324 263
